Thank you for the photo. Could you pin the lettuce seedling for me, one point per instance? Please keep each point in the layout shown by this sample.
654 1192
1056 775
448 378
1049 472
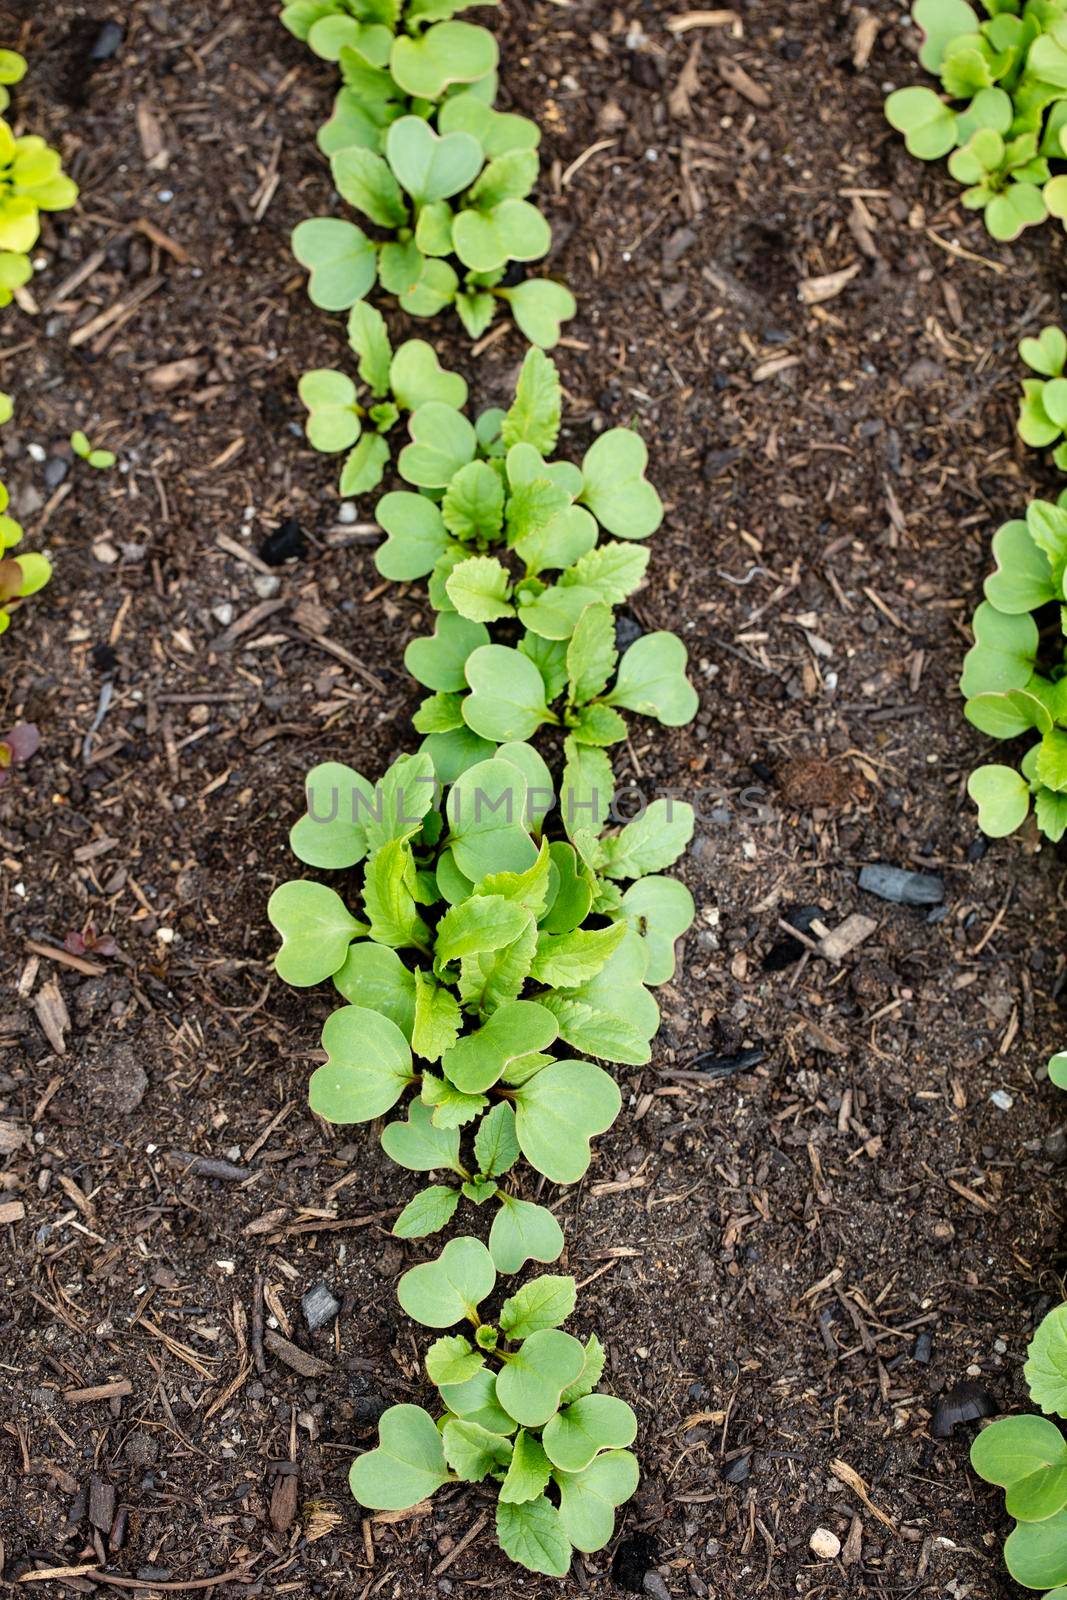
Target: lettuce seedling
1043 407
518 1407
399 381
1004 111
32 180
100 459
12 70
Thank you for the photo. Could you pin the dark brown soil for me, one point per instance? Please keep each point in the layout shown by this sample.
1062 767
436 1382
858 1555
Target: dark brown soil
765 1248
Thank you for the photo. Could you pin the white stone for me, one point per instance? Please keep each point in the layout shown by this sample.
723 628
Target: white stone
824 1544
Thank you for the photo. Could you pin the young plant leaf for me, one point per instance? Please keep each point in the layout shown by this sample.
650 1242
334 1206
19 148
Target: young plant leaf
544 1302
651 680
419 1146
472 1451
1046 1366
521 1232
407 1466
416 378
363 179
417 536
473 506
580 1431
445 1291
558 1111
453 1359
430 1211
447 53
438 1019
534 415
652 841
316 928
528 1471
587 1500
535 1375
331 832
591 653
659 910
429 165
374 976
485 808
539 306
440 661
476 1400
442 441
615 488
531 1533
342 261
515 1029
389 901
368 1067
452 1108
496 1148
479 588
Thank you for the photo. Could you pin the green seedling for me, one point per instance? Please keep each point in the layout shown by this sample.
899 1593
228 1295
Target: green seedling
1002 111
101 459
32 180
12 70
1043 408
518 1408
399 382
22 575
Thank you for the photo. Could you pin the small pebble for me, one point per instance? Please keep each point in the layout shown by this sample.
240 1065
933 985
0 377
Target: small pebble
348 512
1002 1100
55 470
901 886
319 1306
824 1544
107 42
36 452
266 585
655 1586
223 613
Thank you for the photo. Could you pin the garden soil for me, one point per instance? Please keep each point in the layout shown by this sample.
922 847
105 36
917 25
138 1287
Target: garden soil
832 1197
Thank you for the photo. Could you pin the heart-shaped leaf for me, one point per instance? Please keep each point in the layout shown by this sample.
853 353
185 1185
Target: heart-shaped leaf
453 754
929 126
1054 404
375 977
435 287
615 488
430 1211
587 1500
1038 1496
485 809
342 261
557 1113
941 21
1014 1447
1046 354
522 1232
535 1375
539 305
1035 1553
651 680
660 910
417 377
1023 579
1002 798
540 793
333 419
447 53
1022 205
419 1146
443 1292
368 1067
514 230
531 1533
514 1029
580 1431
440 662
331 833
1035 427
316 928
408 1465
431 166
1005 716
443 441
507 701
417 536
1003 653
496 131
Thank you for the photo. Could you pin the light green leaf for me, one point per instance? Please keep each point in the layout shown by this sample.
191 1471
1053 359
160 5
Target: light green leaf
652 841
485 808
540 794
1039 1496
368 1067
1003 654
591 653
369 339
331 833
1057 1071
1005 716
558 1111
574 894
651 680
490 978
388 898
417 536
507 701
580 1431
407 1466
590 1375
929 126
476 1400
447 53
417 378
374 976
561 542
453 1359
364 466
316 929
514 230
612 571
528 1471
587 789
363 179
472 1451
333 422
427 1213
496 1148
531 1533
535 1375
438 1019
473 506
431 166
342 261
534 416
614 486
419 1146
1050 766
941 21
1047 353
1014 1447
539 305
484 922
479 589
1035 1553
1046 1366
452 1108
515 1029
1023 579
507 177
659 910
565 960
544 1302
443 441
521 1232
443 1292
587 1500
440 662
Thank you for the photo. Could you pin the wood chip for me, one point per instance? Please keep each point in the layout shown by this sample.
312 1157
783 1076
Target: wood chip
283 1502
99 1391
245 624
173 373
813 291
852 1480
291 1355
735 77
863 40
850 933
773 367
53 1015
703 19
12 1137
11 1211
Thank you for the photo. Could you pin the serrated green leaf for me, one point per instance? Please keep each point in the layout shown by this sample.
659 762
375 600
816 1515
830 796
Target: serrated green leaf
534 416
452 1360
472 1451
565 960
440 661
438 1019
496 1148
429 1211
482 923
479 588
452 1108
652 841
389 900
1046 1366
544 1302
